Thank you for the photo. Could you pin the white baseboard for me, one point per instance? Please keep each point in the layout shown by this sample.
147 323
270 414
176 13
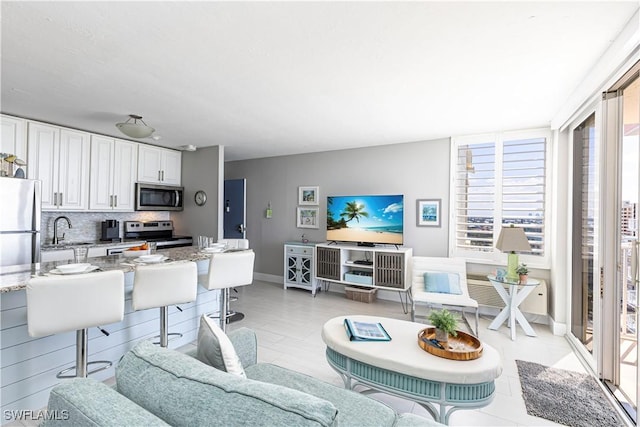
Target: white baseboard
271 278
558 328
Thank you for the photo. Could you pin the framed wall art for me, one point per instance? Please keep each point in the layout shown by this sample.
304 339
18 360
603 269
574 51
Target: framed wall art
428 212
308 195
307 217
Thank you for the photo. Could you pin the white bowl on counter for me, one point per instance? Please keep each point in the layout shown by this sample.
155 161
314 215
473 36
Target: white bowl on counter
72 268
135 254
151 258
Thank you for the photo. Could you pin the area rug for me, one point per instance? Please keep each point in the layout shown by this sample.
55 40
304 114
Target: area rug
565 397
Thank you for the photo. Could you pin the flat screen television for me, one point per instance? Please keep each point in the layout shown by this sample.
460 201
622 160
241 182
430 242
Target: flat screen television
367 220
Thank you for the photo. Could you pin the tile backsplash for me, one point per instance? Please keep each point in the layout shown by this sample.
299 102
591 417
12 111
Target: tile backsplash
85 226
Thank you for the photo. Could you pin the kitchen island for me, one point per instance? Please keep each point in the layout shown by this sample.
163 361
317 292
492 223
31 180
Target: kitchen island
29 365
14 278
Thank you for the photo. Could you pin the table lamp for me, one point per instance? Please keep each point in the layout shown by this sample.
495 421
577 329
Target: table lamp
512 239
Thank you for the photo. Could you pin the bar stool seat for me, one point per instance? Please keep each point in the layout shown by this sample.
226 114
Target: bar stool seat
234 245
58 304
162 285
228 270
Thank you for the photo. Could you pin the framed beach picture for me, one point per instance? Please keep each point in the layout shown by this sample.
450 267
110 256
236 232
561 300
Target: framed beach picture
428 212
307 217
308 195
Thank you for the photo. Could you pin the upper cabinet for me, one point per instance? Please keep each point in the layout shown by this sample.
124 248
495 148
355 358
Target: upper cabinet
113 173
158 165
59 157
13 138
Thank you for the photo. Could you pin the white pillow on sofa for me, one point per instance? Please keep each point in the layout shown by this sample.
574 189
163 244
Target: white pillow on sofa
215 348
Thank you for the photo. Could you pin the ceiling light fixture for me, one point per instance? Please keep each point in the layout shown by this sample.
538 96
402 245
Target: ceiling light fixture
189 147
135 129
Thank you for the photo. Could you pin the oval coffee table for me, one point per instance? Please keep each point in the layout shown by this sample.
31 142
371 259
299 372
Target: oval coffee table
401 368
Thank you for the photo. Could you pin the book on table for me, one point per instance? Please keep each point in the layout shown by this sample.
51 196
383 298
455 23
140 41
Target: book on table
365 331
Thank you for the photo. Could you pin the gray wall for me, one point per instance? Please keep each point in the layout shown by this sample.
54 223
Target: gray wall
201 170
418 170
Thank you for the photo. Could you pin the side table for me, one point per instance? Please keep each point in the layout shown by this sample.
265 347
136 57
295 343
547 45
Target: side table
518 291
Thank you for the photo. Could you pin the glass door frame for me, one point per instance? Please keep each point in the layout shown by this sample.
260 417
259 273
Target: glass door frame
594 359
613 121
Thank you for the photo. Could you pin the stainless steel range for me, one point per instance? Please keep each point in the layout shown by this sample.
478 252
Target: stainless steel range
160 232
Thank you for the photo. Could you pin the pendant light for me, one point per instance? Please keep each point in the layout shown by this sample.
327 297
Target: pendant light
137 129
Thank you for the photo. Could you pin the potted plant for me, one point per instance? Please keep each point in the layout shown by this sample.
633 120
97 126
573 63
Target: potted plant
523 272
445 324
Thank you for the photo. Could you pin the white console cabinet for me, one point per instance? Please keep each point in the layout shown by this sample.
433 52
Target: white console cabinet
299 266
377 267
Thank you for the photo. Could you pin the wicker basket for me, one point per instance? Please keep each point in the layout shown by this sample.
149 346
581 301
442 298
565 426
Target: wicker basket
359 294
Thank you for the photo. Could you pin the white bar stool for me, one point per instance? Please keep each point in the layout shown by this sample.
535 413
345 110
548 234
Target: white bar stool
162 285
234 245
74 303
228 270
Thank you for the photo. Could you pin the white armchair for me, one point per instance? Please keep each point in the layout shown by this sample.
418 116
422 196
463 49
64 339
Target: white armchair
457 297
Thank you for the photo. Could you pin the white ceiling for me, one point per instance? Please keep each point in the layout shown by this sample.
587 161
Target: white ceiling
274 78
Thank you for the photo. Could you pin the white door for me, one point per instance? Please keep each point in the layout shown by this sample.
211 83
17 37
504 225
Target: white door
12 139
125 166
43 161
172 167
73 169
149 164
101 170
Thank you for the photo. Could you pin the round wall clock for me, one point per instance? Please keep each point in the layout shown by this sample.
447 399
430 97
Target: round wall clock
201 198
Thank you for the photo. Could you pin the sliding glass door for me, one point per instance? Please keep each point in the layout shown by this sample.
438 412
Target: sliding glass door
627 331
620 244
585 272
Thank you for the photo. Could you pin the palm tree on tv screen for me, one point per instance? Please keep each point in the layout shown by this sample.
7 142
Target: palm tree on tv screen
353 210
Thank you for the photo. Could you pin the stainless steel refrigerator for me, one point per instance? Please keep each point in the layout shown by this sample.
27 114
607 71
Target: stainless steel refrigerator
19 221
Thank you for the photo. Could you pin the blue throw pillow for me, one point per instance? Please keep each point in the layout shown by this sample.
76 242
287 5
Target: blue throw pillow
442 283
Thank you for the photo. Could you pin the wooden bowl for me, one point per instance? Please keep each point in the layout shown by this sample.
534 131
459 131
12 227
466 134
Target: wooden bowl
463 347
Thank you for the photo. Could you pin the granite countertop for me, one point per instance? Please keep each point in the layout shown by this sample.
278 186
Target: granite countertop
15 277
45 247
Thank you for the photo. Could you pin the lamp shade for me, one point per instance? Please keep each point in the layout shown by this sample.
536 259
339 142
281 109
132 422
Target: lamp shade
136 129
513 239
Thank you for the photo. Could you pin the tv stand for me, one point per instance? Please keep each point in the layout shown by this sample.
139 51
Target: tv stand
372 267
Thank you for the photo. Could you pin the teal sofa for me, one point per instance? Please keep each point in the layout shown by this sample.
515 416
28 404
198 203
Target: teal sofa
159 387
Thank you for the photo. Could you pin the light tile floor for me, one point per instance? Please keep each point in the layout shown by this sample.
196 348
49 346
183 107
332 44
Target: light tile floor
288 324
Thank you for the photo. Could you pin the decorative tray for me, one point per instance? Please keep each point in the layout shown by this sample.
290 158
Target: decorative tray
463 347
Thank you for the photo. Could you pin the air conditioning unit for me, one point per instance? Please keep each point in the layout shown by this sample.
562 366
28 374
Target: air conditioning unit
483 291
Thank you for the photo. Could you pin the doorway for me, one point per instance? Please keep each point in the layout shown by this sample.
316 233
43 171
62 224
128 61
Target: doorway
235 203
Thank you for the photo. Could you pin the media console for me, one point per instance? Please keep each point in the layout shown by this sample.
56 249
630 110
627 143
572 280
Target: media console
376 267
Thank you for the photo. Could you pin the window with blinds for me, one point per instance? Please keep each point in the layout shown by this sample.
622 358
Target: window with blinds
499 179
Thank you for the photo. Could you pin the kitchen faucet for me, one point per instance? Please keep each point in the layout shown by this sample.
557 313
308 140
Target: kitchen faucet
57 239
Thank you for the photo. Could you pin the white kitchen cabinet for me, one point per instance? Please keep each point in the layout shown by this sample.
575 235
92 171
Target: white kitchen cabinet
299 266
59 157
13 137
113 172
159 166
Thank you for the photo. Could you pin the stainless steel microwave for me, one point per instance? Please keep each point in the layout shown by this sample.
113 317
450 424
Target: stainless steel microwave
150 197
